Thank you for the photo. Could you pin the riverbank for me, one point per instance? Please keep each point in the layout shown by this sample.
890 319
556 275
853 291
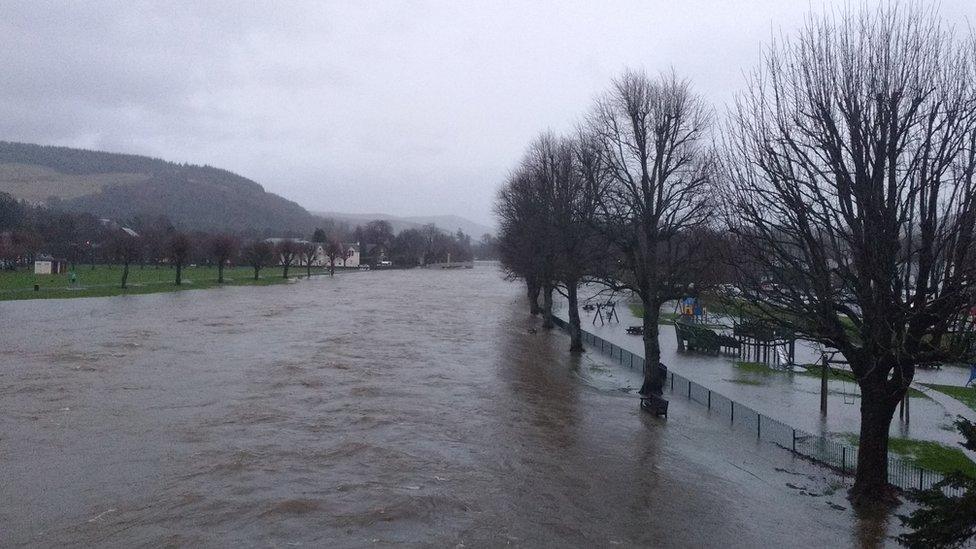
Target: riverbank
105 280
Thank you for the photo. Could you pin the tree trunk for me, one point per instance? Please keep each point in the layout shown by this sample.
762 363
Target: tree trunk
308 270
125 274
220 273
575 332
257 270
179 274
284 271
332 267
652 350
533 290
547 307
871 477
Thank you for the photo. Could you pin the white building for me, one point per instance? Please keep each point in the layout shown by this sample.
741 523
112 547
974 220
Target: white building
352 255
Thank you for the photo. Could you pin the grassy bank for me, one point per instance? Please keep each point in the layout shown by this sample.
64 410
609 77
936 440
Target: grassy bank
105 280
966 395
926 454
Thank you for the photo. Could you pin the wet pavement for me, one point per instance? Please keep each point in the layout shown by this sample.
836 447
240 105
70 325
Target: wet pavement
412 408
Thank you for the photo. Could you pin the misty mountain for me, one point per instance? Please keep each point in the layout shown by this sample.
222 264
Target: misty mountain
124 186
448 223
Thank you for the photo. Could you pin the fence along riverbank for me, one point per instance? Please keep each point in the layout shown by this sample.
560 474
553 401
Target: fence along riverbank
744 420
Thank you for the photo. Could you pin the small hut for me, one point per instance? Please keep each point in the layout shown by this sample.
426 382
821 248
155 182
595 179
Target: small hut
46 264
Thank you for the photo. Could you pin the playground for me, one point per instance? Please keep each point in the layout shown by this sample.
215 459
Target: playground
783 377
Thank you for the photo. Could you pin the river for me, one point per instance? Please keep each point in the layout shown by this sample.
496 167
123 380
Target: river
373 409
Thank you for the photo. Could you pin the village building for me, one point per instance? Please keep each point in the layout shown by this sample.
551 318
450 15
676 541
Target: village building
351 258
321 260
46 264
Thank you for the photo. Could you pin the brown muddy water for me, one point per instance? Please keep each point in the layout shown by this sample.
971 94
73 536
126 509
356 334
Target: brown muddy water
411 408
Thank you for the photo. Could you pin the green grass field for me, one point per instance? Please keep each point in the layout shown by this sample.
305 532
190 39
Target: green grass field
966 395
927 454
105 280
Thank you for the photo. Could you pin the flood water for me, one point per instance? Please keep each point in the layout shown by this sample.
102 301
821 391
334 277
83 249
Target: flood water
373 409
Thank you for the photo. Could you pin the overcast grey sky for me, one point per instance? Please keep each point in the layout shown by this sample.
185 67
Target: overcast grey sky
406 108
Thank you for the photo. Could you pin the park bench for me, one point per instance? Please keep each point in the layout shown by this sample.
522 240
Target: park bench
654 404
635 330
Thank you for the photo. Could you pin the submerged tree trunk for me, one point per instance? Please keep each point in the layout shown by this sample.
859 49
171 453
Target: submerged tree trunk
547 306
652 350
332 268
125 274
308 270
575 332
179 274
533 291
871 477
220 273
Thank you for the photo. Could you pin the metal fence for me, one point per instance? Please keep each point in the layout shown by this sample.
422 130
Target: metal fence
743 419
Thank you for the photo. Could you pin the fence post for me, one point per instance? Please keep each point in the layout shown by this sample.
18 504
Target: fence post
709 399
758 426
843 460
732 411
921 478
672 382
689 389
794 441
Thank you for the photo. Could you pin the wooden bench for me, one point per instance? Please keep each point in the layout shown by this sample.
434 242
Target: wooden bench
635 330
654 404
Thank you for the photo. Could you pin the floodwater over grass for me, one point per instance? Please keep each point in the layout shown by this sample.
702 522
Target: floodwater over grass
372 409
792 397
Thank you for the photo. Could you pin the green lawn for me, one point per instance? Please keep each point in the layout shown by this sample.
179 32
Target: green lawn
105 280
966 395
927 454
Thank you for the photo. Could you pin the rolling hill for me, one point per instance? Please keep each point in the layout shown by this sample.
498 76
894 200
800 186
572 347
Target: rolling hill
123 186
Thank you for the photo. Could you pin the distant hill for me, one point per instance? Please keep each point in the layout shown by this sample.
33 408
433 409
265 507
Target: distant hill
449 223
123 186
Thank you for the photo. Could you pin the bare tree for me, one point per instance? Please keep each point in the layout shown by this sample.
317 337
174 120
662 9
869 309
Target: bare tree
852 157
126 249
649 155
287 251
178 249
566 207
258 254
334 250
223 248
521 249
309 254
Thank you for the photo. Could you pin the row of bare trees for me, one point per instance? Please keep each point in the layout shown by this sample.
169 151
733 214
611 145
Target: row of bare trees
839 197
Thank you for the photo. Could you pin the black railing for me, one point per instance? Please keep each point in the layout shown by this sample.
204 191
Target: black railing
741 418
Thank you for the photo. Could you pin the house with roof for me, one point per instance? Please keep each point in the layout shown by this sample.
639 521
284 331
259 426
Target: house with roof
352 256
321 260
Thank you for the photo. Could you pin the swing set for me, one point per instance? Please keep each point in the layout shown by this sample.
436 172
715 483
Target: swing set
605 312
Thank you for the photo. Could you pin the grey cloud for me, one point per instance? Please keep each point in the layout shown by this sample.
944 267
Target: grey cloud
406 107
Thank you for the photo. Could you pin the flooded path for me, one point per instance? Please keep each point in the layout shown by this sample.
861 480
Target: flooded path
384 408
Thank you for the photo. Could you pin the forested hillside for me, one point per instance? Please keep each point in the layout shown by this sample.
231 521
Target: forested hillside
123 186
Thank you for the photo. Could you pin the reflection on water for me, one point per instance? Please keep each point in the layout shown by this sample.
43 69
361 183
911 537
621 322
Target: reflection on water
384 407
